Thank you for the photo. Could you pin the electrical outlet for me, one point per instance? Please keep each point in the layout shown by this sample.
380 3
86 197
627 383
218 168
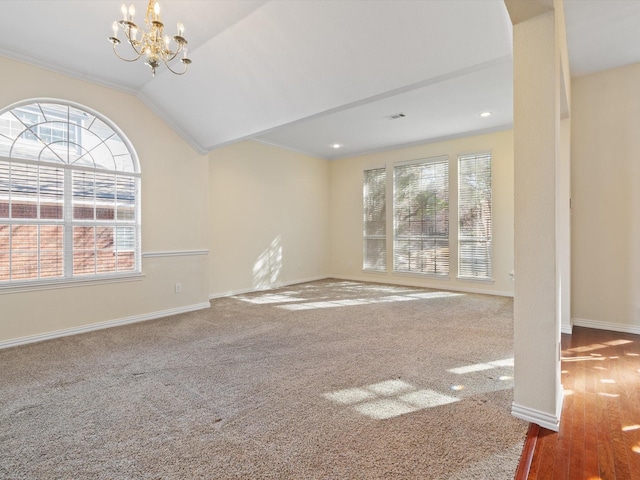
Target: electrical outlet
178 288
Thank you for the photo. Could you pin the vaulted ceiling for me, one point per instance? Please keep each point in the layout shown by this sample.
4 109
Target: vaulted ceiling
305 75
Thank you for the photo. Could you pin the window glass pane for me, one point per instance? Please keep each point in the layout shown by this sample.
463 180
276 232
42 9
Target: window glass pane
24 191
51 251
24 252
55 112
4 189
421 217
126 198
84 250
51 191
4 252
40 201
125 248
474 216
117 146
28 147
83 195
375 221
105 196
100 129
105 250
80 157
10 127
124 163
103 158
29 115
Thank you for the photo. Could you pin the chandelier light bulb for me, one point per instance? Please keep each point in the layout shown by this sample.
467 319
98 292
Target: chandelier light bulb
114 27
156 10
180 29
123 9
132 12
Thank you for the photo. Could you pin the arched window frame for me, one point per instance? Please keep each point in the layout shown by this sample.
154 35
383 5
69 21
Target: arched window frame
71 189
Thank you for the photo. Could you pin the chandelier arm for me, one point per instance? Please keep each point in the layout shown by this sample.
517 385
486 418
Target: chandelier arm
126 59
186 65
170 55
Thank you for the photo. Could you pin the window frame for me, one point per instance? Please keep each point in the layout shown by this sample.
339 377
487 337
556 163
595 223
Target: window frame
129 170
366 236
436 238
487 239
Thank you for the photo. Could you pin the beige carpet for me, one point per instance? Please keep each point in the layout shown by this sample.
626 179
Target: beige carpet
323 380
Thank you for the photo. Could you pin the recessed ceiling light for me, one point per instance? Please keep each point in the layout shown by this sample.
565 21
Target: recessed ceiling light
485 114
336 145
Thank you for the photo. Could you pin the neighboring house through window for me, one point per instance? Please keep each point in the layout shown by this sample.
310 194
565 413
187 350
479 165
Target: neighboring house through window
69 195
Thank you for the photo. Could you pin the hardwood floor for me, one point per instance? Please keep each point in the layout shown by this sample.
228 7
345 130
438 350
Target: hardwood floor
599 435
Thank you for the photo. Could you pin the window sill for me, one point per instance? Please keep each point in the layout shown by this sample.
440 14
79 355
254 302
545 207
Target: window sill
476 279
67 283
438 276
378 272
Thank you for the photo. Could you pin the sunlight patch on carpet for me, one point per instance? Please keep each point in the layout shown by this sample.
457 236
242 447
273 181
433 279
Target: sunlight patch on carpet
389 399
364 301
478 367
268 298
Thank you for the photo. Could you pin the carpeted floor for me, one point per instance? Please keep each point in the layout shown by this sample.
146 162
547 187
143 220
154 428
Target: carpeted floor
323 380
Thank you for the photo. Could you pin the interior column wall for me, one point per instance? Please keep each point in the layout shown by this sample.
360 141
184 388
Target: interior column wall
537 85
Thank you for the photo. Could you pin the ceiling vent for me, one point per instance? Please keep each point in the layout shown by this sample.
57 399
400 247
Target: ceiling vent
395 116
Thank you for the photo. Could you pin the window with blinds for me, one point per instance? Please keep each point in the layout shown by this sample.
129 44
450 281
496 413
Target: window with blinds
69 195
375 223
474 216
421 217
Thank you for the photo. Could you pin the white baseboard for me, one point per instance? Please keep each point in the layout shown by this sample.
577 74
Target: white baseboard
14 342
231 293
568 329
552 422
615 327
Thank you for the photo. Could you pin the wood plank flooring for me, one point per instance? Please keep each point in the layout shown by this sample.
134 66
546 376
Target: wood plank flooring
599 436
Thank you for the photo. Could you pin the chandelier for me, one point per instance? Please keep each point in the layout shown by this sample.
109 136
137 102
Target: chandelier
153 45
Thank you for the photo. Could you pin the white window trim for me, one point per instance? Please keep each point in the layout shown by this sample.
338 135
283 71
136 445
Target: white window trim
385 237
419 161
468 278
68 222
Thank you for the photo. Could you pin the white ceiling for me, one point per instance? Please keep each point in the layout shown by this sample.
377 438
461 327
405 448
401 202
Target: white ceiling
307 74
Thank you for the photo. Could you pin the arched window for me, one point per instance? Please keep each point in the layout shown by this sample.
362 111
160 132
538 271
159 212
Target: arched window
69 195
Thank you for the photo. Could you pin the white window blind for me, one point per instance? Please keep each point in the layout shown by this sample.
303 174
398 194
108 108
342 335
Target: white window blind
375 224
474 216
69 196
421 217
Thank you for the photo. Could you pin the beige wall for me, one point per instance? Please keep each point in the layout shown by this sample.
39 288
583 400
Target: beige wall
563 226
174 219
540 204
605 180
269 212
347 212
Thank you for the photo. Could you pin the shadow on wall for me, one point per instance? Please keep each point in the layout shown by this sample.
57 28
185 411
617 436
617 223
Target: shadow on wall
268 266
